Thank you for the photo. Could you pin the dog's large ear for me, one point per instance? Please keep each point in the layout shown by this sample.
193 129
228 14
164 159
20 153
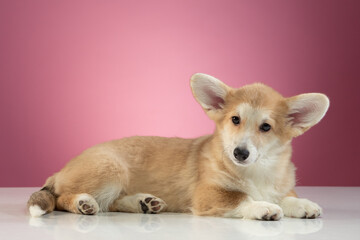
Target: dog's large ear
306 110
210 93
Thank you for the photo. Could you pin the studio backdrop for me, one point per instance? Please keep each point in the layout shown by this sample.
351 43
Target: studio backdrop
77 73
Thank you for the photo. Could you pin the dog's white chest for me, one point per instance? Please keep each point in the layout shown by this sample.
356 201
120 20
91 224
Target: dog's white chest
261 191
261 186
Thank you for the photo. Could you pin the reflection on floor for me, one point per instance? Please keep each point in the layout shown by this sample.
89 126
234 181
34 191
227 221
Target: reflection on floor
341 219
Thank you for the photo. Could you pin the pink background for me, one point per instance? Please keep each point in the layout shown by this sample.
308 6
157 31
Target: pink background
77 73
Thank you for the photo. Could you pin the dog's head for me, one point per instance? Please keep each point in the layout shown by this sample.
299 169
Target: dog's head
256 122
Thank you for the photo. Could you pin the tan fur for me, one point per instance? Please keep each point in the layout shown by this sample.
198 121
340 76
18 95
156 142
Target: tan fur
187 174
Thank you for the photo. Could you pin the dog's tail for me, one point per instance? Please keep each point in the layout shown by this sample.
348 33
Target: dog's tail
43 201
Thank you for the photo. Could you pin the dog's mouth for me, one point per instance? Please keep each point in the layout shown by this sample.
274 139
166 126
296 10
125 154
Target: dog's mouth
246 162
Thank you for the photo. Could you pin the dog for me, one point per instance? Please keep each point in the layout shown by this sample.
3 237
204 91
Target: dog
243 170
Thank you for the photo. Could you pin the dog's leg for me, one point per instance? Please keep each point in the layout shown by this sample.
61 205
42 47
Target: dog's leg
77 203
138 203
214 201
299 207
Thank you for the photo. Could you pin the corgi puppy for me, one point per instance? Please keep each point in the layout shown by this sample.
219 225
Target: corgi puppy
242 170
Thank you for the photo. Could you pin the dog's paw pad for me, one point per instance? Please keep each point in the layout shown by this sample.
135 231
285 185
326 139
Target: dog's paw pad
87 205
151 204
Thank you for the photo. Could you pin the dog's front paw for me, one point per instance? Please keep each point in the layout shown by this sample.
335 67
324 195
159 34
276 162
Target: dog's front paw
300 208
261 210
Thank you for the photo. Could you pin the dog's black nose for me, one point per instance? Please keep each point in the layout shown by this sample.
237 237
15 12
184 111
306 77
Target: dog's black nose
241 154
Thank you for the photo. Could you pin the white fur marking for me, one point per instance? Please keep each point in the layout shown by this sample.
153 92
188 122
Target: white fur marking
250 209
36 211
300 207
106 196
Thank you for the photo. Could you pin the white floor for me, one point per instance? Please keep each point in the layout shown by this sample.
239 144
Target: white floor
341 220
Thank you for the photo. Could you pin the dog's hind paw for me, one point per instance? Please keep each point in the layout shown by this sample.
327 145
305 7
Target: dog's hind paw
151 204
87 205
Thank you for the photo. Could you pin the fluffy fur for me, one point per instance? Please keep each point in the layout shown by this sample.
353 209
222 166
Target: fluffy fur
202 175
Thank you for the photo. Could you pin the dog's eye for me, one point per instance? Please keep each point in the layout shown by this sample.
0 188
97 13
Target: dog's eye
265 127
235 120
